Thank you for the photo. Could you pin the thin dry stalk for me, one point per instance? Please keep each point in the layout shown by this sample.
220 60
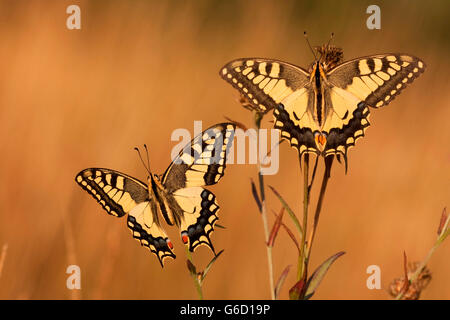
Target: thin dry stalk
70 250
3 257
443 233
323 188
258 118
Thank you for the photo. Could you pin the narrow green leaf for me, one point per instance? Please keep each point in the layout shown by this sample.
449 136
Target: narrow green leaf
289 232
210 265
318 275
288 209
191 267
255 195
291 235
261 186
280 281
275 228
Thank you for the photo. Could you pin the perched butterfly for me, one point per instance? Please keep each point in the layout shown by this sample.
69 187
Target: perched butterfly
322 110
177 196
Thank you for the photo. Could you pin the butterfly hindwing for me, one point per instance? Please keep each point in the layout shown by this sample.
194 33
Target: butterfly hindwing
145 228
116 192
263 82
199 208
299 131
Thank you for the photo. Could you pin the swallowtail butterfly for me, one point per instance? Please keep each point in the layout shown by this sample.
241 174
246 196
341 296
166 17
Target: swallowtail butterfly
177 196
323 109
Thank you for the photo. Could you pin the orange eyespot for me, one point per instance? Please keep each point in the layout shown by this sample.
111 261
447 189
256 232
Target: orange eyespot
169 243
184 238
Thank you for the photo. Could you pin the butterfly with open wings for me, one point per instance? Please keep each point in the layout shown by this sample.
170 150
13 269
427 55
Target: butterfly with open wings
324 109
177 196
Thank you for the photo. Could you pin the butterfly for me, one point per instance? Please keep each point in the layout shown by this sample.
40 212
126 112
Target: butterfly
323 109
177 196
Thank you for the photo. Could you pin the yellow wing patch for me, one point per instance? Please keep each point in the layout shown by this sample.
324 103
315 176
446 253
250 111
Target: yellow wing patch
200 215
149 233
264 83
116 192
377 80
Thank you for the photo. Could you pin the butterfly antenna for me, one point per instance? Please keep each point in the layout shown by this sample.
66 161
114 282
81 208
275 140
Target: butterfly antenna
140 157
331 38
148 158
309 45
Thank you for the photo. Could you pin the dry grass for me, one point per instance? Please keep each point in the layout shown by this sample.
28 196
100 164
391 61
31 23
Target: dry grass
138 70
3 257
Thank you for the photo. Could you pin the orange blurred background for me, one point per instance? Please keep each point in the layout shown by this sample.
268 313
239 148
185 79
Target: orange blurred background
137 70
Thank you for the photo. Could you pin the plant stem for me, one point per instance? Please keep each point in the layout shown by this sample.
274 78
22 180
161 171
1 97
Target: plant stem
197 284
442 235
258 118
323 188
3 257
199 288
420 268
302 261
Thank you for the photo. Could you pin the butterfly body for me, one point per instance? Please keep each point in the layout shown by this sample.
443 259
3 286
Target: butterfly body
177 196
323 109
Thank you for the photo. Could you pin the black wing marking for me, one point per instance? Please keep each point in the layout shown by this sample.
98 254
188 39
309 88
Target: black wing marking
202 162
120 194
199 208
146 229
116 192
264 82
377 79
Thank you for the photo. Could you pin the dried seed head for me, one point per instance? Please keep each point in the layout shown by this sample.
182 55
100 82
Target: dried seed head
415 288
330 56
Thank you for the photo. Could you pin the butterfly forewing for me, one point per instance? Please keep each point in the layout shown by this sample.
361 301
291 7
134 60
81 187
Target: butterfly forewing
263 82
377 79
116 192
203 161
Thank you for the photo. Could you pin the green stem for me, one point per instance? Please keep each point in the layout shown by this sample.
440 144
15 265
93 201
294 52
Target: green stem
420 268
197 283
444 233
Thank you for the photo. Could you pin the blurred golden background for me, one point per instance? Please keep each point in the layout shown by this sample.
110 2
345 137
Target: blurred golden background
137 70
